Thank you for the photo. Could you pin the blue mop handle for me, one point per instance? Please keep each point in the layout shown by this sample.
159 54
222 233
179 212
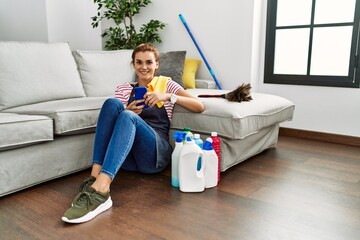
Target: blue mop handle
198 48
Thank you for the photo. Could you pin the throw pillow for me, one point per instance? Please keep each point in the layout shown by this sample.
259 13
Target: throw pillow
102 71
190 68
32 72
172 65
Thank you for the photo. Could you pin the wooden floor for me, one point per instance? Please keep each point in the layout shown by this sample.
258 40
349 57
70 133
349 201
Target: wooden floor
299 190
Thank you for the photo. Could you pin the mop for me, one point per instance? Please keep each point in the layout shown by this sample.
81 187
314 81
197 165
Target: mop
201 53
241 93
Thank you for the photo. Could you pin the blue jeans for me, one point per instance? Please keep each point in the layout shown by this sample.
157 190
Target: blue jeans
123 139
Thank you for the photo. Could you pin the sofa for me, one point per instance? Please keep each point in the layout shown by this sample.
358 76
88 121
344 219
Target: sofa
50 98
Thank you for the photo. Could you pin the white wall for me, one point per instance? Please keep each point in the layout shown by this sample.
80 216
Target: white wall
50 20
23 20
230 33
70 21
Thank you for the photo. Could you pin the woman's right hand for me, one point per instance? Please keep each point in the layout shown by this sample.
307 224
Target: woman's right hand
136 109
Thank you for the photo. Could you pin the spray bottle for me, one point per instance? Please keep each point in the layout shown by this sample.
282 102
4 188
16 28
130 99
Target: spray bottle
179 136
216 146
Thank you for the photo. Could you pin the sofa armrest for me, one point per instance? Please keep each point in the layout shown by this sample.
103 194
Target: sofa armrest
205 83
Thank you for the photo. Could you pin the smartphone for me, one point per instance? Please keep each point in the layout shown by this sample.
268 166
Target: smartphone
139 94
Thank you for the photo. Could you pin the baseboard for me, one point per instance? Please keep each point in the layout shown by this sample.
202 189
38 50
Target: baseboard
320 136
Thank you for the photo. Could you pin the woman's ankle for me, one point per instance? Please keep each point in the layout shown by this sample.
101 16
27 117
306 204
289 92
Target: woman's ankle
102 183
95 170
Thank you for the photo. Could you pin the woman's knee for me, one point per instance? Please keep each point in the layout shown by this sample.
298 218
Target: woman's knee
129 114
113 103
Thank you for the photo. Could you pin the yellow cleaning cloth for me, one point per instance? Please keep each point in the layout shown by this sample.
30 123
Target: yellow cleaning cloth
158 84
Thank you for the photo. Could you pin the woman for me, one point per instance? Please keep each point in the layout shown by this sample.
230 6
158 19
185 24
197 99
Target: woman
129 136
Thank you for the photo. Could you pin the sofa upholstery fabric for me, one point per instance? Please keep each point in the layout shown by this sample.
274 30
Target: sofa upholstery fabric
234 151
20 130
30 165
37 72
232 119
102 71
70 116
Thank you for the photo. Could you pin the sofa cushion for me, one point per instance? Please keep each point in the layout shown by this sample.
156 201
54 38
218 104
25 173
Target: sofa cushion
19 130
32 72
71 116
232 119
172 65
190 68
102 71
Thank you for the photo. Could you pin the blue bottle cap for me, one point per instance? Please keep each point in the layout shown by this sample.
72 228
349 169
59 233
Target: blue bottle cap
208 144
179 136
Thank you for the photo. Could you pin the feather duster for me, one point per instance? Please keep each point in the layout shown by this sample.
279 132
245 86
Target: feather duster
241 93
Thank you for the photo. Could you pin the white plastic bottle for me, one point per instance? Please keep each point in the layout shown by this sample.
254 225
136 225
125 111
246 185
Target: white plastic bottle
211 166
175 160
191 179
200 143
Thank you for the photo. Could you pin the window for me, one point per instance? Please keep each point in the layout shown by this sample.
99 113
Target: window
313 42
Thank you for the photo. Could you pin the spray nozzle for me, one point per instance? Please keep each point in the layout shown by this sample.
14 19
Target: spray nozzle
179 136
208 144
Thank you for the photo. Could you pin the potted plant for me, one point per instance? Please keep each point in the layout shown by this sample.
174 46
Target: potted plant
124 34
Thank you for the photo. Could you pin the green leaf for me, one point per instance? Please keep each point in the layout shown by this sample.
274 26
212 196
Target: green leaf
123 34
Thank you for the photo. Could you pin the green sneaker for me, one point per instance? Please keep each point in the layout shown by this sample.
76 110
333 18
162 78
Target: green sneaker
88 181
83 186
89 204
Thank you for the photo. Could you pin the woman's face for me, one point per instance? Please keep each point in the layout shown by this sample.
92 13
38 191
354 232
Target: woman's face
145 65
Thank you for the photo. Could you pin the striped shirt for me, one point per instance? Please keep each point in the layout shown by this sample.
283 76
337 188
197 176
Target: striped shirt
123 92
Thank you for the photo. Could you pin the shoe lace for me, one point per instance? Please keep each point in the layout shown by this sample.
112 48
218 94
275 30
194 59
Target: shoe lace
88 181
84 200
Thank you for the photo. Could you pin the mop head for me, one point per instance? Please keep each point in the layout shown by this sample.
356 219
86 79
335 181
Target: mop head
240 94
